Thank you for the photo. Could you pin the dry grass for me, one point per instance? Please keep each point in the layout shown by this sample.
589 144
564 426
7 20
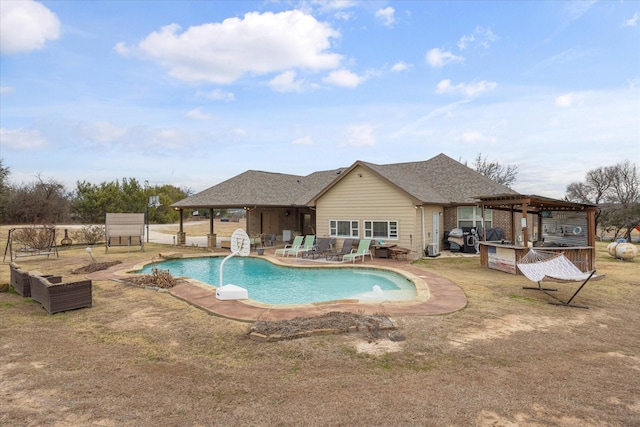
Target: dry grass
201 227
139 358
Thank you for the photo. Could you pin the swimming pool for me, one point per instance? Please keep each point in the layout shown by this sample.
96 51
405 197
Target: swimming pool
276 284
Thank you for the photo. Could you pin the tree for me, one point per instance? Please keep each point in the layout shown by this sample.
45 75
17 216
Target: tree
4 188
591 192
39 202
168 196
91 202
505 175
616 190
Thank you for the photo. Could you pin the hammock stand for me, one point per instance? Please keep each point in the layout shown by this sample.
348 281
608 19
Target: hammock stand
539 265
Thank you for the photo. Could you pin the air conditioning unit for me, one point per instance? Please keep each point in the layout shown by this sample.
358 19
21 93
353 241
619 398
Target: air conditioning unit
433 250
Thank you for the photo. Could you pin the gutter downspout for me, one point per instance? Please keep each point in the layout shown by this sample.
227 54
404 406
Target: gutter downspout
424 236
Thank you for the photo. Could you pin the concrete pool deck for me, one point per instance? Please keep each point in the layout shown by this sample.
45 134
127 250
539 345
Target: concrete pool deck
438 296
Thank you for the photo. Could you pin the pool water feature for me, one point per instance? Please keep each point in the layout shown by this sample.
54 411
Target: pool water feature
276 284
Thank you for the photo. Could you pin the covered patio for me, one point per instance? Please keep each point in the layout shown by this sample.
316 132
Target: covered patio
538 221
275 205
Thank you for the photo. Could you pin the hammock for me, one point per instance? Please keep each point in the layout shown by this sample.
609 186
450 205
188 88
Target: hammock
539 265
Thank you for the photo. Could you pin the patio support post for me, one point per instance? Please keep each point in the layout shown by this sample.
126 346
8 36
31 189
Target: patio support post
513 226
525 231
483 233
182 236
591 235
212 240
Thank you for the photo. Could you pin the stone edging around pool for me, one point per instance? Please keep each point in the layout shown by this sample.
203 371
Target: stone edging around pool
435 294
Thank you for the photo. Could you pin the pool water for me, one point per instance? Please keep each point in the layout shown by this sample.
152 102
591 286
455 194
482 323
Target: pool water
274 284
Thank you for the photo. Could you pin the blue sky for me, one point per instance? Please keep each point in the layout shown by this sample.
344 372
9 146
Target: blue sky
193 93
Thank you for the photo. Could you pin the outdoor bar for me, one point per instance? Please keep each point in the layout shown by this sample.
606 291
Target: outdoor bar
540 222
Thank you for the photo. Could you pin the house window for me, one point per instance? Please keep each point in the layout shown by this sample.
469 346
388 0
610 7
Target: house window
471 216
342 228
381 230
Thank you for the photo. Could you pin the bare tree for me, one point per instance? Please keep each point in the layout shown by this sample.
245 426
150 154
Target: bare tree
593 191
505 175
4 188
616 190
40 202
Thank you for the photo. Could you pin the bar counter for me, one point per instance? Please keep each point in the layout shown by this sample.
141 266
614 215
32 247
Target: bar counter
504 256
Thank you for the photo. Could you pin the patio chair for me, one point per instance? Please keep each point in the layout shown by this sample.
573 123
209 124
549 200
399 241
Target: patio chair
347 246
321 248
297 241
56 297
305 247
362 251
21 283
539 265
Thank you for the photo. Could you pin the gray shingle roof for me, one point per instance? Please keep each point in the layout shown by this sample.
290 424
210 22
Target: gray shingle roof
257 188
440 180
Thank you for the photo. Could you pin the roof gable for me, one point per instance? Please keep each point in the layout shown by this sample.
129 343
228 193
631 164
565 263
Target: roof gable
440 180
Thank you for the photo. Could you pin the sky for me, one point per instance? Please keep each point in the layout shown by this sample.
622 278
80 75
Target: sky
193 93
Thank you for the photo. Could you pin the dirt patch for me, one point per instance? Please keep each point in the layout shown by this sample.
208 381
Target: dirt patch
493 329
372 326
95 266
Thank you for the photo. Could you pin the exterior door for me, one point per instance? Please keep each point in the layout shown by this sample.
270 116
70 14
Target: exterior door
306 226
270 223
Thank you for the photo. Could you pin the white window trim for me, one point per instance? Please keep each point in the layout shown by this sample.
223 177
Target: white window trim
354 228
477 216
368 229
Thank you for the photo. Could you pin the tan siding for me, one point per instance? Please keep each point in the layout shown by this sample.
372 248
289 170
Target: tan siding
371 198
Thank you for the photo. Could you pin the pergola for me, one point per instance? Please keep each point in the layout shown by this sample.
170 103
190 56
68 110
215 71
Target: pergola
521 205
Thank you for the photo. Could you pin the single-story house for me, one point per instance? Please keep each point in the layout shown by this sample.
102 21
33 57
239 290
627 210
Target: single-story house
408 204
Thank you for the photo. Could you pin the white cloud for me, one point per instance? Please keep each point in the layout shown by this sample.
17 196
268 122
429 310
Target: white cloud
26 26
485 36
475 137
286 82
122 49
438 58
7 89
305 140
132 139
569 100
257 43
344 16
445 86
22 139
167 138
575 9
100 132
360 135
198 114
344 78
631 22
331 5
217 95
386 16
480 36
464 41
401 66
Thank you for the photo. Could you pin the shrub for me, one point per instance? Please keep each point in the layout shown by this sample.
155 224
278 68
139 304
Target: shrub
39 238
89 234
